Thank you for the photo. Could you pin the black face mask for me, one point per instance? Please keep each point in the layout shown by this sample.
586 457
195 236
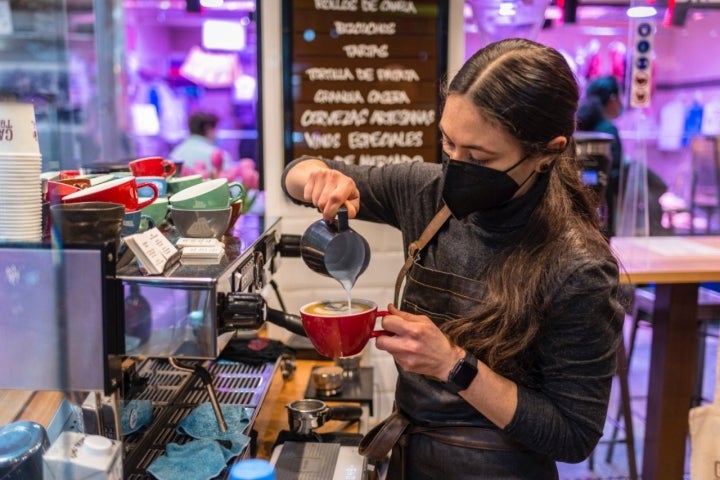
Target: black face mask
469 187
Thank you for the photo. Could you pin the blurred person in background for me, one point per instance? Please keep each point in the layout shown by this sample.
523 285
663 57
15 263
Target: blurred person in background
200 155
199 152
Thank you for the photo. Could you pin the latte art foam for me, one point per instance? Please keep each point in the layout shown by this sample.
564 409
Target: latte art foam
336 307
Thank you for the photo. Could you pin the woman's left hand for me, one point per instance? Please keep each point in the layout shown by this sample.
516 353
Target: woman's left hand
418 345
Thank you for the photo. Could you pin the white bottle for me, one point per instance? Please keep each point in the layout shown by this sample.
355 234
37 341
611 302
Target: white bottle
75 456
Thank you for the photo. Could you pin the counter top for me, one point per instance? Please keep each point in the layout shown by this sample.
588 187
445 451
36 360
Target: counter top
41 407
272 417
38 407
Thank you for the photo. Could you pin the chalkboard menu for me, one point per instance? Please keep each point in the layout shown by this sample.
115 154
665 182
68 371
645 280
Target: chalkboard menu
363 79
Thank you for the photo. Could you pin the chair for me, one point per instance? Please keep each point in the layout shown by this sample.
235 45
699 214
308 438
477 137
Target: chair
704 195
644 298
624 414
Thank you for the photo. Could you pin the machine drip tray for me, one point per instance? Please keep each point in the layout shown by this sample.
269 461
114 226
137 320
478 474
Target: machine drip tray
318 461
356 389
342 438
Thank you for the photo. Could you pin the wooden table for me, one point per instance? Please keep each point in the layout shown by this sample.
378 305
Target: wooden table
676 265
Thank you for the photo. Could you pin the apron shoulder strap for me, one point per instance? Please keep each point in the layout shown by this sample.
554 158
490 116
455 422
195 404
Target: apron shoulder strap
437 221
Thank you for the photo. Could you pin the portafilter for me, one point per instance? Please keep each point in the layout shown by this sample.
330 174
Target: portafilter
307 414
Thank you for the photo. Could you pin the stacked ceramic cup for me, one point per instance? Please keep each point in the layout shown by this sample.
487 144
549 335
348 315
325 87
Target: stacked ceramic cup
20 167
204 210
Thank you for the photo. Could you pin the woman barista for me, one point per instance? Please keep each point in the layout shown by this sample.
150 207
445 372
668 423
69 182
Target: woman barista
506 336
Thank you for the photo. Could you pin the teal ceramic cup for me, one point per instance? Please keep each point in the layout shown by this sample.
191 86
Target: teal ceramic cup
157 210
159 182
175 184
132 221
208 195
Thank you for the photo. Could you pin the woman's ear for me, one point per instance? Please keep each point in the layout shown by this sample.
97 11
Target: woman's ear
557 144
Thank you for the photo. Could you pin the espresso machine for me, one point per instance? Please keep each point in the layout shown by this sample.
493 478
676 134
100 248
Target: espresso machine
177 324
126 336
194 312
155 339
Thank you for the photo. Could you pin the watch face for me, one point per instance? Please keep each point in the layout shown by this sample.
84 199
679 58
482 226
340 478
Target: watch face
463 373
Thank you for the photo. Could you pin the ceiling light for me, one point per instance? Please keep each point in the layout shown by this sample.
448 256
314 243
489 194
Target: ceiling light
507 9
641 11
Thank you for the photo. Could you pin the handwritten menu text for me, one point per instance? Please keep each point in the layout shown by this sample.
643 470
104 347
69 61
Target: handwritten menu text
364 79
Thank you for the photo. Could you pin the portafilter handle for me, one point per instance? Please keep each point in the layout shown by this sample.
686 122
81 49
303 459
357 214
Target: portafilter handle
347 413
244 310
290 322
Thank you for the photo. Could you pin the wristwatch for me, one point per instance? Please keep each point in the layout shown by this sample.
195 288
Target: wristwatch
463 373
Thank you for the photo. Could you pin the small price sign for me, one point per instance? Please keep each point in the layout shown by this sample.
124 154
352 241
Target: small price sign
641 73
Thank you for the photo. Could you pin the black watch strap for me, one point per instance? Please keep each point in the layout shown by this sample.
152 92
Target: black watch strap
463 373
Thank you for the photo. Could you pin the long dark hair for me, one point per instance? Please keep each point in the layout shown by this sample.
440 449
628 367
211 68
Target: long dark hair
529 90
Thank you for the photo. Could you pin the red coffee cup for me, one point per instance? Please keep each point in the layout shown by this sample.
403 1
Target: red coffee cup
152 167
65 174
122 190
336 332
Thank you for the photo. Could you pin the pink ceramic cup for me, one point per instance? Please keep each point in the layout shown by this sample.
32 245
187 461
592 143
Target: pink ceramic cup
122 190
57 190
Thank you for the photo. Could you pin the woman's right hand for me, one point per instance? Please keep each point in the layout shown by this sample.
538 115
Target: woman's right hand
329 190
312 181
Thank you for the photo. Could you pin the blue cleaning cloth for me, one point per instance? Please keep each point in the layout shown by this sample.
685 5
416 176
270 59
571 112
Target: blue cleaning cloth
195 460
136 414
201 423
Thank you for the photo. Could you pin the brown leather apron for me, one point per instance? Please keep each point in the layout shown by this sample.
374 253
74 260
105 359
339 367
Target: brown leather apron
434 432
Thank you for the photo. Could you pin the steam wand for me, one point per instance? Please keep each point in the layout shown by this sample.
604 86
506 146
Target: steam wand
206 379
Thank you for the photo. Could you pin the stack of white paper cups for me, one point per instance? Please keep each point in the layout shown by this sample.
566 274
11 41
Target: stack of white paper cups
20 168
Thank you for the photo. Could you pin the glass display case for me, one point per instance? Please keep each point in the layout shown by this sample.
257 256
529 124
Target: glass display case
116 80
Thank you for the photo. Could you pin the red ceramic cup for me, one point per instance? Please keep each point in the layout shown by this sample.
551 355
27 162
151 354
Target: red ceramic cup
336 333
152 167
122 190
65 174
